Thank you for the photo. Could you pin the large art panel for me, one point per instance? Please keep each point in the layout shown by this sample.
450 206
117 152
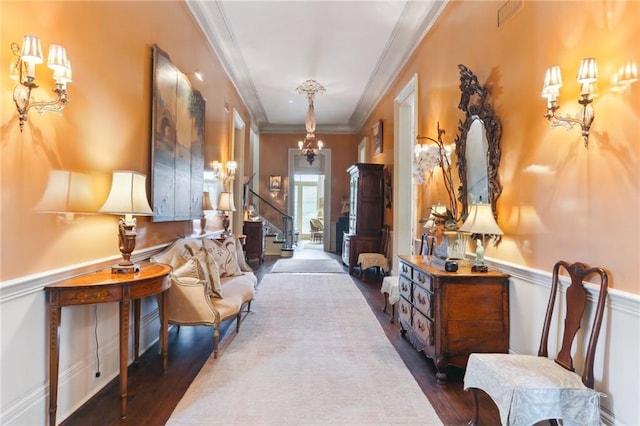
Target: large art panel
177 140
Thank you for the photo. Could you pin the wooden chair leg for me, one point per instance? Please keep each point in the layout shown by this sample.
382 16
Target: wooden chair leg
249 306
476 411
238 317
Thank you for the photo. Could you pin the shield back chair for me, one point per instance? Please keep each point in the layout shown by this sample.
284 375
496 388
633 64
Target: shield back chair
529 388
380 259
427 244
317 229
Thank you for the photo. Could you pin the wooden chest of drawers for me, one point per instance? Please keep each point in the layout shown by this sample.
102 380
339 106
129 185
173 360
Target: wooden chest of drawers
450 315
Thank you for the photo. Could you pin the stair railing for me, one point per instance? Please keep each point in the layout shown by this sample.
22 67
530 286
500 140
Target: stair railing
271 213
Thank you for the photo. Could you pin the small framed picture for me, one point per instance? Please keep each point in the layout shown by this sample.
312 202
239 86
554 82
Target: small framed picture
275 182
377 138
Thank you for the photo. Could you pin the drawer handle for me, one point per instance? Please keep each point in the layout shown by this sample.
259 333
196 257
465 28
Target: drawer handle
421 299
405 287
404 309
421 278
421 326
404 268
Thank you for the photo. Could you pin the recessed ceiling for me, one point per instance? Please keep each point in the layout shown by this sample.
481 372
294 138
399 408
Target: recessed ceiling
353 48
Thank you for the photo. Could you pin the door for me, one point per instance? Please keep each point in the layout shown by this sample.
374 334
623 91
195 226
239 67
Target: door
308 202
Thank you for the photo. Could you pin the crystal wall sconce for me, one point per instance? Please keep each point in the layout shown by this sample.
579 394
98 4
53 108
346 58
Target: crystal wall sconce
23 71
587 77
226 173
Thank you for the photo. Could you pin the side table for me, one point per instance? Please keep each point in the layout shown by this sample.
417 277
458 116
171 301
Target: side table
100 287
391 290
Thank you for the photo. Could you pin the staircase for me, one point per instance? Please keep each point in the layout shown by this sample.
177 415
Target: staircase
280 239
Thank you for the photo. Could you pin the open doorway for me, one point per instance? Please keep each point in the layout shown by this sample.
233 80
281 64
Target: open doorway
309 206
311 184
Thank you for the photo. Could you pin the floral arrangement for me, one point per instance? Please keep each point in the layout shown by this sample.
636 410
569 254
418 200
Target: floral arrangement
427 158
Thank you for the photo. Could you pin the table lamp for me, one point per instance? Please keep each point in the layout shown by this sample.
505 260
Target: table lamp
225 205
480 221
128 197
206 205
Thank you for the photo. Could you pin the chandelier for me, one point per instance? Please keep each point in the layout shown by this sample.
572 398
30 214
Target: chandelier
307 147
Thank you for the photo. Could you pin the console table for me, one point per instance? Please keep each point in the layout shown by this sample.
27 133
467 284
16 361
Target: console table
101 287
450 315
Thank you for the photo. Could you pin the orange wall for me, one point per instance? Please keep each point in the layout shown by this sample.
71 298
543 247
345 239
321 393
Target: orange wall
105 126
273 161
587 198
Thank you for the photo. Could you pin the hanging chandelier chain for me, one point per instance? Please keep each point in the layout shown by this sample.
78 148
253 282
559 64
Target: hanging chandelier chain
310 88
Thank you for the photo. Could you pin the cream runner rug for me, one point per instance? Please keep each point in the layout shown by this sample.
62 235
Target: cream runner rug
311 352
310 266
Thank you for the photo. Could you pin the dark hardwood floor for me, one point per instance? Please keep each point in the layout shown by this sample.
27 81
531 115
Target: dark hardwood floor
153 394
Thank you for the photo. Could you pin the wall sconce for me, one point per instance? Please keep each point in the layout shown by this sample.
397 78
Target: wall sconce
228 173
128 197
225 205
67 193
29 55
206 205
626 75
587 77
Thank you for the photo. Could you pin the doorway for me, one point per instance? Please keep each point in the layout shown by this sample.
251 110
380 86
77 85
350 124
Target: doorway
405 130
309 206
311 183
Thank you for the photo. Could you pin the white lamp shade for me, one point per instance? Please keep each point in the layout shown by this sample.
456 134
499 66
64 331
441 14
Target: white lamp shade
588 72
128 195
57 59
553 78
225 203
64 75
481 221
31 50
66 192
206 201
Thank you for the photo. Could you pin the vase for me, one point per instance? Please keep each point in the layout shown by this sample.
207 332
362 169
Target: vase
456 244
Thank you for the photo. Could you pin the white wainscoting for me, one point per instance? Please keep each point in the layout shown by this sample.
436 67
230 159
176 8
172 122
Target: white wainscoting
24 343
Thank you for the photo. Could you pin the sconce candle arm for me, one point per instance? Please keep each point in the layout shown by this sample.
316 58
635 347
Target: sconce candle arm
586 116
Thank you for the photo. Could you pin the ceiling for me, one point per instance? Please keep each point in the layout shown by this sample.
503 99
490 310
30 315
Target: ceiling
353 48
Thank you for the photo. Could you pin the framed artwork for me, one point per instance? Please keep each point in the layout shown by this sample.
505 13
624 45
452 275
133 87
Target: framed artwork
377 138
275 183
177 143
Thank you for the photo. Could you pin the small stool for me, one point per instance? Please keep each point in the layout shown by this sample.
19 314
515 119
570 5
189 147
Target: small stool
391 290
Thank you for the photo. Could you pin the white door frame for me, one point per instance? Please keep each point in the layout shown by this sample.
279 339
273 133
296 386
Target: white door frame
237 153
405 118
326 159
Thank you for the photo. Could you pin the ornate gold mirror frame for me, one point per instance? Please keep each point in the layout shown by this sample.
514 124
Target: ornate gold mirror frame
474 103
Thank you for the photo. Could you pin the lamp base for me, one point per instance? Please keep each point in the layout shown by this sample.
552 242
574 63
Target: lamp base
117 268
479 268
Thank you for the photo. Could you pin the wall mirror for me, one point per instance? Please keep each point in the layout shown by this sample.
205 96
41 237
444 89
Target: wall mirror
477 145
